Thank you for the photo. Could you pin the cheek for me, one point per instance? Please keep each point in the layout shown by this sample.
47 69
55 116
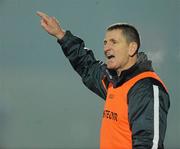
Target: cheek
121 56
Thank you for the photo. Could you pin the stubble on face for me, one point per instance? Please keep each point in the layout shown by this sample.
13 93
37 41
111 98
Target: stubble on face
115 49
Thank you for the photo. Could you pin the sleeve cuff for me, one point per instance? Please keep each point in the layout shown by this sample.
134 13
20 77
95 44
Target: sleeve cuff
65 38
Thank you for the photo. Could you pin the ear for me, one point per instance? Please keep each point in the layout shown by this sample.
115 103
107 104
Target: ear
132 48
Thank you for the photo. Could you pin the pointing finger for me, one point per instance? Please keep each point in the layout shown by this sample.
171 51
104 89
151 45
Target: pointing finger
42 15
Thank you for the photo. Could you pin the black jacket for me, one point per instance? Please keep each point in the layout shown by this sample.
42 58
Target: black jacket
140 96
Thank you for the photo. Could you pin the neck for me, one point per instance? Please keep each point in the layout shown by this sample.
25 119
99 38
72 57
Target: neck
129 64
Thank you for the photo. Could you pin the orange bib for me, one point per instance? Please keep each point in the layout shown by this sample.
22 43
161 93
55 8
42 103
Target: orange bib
115 129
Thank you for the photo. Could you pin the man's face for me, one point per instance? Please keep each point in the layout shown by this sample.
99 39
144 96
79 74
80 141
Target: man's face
116 49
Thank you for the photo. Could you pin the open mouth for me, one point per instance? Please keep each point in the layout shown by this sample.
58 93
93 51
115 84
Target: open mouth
110 56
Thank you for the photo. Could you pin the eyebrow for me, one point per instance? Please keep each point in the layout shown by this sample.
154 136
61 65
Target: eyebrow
111 40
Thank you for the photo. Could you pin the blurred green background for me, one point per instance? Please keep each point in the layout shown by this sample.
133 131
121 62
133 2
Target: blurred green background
43 103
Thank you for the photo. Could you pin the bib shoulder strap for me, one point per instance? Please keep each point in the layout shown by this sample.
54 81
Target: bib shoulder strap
147 74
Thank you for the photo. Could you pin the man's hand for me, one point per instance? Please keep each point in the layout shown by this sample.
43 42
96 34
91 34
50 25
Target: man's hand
51 25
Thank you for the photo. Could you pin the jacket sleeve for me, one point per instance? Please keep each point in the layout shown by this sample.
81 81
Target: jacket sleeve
148 108
84 63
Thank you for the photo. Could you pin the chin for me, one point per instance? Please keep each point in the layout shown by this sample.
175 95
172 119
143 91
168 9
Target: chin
111 67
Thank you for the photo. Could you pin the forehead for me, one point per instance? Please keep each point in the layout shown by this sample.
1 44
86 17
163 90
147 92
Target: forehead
114 34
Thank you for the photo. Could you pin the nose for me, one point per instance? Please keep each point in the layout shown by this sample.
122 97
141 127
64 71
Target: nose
107 47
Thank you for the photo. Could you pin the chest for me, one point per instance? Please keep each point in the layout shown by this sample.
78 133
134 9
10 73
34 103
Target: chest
116 107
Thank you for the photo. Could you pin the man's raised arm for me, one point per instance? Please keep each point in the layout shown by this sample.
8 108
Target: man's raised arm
81 58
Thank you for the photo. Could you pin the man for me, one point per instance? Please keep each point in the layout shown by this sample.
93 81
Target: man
136 100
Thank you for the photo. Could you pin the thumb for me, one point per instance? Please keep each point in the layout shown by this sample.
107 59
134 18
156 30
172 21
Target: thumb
44 24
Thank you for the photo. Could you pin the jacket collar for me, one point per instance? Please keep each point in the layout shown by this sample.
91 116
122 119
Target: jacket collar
142 65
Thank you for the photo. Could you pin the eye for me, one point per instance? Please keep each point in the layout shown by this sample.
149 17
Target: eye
113 41
105 42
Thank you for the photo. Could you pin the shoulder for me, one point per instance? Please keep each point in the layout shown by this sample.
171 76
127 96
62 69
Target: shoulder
146 88
146 84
